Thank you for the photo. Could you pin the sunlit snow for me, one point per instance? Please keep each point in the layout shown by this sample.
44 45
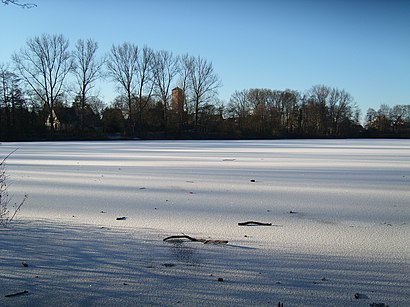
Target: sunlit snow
340 211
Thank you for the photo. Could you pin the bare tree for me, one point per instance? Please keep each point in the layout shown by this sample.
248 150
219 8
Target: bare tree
276 110
399 116
44 64
122 66
145 81
316 99
5 93
165 69
371 118
326 110
186 63
10 96
88 69
289 109
339 108
239 107
6 77
259 101
204 83
17 3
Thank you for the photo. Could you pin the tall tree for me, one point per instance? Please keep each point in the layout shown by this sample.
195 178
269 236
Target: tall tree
17 115
326 110
7 81
314 114
289 109
185 68
204 83
186 62
145 82
380 120
258 99
165 69
44 65
400 118
88 69
339 109
239 106
122 66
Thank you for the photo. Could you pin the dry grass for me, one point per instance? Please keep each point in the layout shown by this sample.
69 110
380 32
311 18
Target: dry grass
7 214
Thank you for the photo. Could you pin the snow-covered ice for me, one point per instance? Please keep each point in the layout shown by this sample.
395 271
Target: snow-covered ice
348 232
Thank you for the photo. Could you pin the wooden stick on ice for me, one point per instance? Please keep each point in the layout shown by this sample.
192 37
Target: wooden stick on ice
205 241
253 223
16 294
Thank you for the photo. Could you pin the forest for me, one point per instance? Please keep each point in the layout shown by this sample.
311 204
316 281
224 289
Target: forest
47 91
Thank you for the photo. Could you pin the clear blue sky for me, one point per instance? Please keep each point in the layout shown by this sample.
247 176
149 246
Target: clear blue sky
360 46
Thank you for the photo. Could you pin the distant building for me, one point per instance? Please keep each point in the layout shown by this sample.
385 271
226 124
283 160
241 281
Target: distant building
56 122
64 119
177 100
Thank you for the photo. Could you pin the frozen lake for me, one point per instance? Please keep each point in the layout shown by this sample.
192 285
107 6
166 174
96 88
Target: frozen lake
348 199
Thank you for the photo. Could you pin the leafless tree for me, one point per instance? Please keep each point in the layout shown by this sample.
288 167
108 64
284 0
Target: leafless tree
260 101
399 116
317 98
239 107
327 109
379 120
88 69
6 77
289 109
5 89
204 83
10 94
186 63
339 107
122 66
145 81
276 110
44 65
25 5
165 69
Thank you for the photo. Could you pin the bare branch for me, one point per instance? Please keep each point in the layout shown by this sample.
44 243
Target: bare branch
17 3
4 160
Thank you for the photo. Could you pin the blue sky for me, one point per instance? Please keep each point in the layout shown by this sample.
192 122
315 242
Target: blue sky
360 46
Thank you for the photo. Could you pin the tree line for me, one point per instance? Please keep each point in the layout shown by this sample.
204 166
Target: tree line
47 92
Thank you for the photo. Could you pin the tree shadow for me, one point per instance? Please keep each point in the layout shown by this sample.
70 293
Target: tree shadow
87 265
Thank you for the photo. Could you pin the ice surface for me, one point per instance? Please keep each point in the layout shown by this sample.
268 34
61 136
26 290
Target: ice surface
349 223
